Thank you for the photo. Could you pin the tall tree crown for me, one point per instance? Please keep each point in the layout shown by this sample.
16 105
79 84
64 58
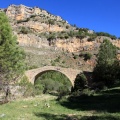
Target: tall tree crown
11 56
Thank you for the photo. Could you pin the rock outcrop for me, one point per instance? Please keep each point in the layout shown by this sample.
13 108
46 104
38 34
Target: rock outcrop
22 12
33 26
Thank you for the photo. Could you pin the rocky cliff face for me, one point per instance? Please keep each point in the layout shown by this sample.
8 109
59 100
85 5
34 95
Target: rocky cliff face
76 44
22 12
34 26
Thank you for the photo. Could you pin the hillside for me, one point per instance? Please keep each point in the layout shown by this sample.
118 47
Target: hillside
50 40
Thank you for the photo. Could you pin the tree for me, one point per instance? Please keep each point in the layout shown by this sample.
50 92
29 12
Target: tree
80 82
107 63
11 56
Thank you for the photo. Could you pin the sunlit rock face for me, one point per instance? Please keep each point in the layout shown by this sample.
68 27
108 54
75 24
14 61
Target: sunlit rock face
32 27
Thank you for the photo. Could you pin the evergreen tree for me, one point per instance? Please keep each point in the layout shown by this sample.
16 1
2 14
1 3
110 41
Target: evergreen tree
106 70
80 82
11 56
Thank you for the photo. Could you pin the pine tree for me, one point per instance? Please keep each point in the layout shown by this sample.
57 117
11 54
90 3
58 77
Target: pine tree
106 70
11 56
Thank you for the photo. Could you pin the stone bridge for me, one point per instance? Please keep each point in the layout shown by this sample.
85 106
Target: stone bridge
70 73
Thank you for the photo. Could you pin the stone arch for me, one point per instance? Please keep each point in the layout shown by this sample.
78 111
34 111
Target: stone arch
68 72
39 74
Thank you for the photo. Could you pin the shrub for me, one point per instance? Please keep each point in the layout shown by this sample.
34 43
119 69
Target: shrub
63 90
57 59
87 56
75 56
92 37
51 37
80 82
67 26
24 30
28 88
32 67
25 20
63 61
51 22
106 34
66 36
53 63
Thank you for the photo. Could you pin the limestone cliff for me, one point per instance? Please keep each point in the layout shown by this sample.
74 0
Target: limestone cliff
38 28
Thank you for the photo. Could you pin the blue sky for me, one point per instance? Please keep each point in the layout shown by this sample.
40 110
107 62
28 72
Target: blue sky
98 15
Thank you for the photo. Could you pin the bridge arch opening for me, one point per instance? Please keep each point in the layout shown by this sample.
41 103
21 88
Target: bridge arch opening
53 80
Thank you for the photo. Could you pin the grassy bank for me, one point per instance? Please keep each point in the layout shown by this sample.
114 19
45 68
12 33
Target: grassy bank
102 106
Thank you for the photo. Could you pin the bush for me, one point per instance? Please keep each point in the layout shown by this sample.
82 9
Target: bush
32 67
51 22
75 56
92 37
51 37
63 90
57 59
24 30
66 36
28 88
53 63
67 26
106 34
87 56
26 20
80 82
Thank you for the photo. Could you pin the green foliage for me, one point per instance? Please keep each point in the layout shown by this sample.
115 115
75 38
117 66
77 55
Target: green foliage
24 30
51 22
107 53
23 81
67 27
80 82
28 88
53 82
87 56
32 16
106 34
57 59
92 37
52 63
107 66
32 67
11 56
83 29
105 105
63 61
74 56
66 36
25 20
51 37
71 34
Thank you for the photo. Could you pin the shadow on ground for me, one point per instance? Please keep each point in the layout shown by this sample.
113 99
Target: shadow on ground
106 101
99 118
48 116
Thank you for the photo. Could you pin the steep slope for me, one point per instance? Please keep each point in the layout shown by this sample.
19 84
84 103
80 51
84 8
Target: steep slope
36 27
46 37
